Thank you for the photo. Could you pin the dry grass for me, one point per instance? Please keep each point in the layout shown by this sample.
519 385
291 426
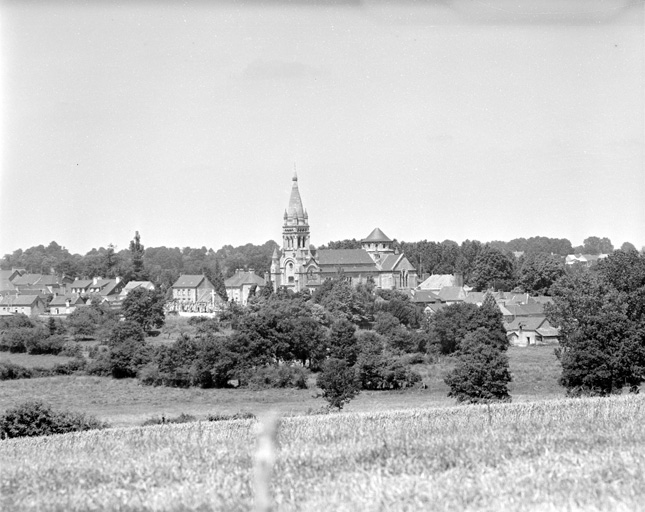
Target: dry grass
34 361
547 455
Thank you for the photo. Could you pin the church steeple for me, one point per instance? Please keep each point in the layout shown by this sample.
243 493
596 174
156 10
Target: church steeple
295 211
295 232
295 242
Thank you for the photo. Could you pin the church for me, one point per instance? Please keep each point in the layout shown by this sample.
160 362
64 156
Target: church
299 265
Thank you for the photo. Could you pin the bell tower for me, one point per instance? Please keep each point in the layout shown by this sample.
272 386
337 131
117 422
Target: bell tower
295 230
295 240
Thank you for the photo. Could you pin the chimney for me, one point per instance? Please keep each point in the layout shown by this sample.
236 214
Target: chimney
95 280
251 271
118 279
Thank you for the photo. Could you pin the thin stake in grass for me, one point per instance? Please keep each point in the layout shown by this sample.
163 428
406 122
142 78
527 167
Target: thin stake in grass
264 460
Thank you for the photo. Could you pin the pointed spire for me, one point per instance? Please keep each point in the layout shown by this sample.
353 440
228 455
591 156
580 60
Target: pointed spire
295 209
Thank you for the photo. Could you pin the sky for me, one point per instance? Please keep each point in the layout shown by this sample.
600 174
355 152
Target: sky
467 119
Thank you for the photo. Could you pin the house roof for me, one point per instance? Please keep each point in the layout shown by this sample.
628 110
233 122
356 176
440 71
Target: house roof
20 300
438 281
61 300
390 261
242 278
434 307
452 294
136 284
532 309
27 279
502 308
542 299
189 281
528 323
342 257
376 236
548 331
422 296
110 288
84 284
49 280
475 297
5 280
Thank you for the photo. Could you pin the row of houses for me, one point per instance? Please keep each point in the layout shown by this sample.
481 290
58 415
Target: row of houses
524 317
196 294
28 294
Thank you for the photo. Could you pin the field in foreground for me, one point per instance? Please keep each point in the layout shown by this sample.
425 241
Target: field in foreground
575 454
126 403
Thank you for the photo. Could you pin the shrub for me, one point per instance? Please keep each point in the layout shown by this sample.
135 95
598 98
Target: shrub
22 339
276 376
127 330
10 371
84 322
76 365
101 366
15 321
45 344
128 357
339 382
182 418
196 320
71 349
481 373
228 417
35 418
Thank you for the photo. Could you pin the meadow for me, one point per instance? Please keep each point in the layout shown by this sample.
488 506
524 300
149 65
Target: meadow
563 454
127 403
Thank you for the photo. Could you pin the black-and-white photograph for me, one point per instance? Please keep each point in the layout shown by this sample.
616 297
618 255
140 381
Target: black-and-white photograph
327 255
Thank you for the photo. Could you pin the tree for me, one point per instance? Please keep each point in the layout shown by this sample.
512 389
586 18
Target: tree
481 373
448 326
601 316
596 245
136 253
84 322
145 307
342 341
539 271
339 382
492 269
627 246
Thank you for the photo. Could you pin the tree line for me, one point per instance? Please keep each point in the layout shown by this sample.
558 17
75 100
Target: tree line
482 265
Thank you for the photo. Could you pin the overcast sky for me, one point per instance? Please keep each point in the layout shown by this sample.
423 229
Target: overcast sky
483 119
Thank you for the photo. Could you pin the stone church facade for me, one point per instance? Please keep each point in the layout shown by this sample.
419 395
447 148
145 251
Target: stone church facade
299 265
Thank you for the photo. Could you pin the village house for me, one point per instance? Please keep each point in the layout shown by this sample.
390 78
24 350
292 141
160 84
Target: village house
133 285
239 286
584 259
30 305
525 331
193 294
65 304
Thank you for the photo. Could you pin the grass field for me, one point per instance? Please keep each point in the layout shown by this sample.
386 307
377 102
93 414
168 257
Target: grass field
575 454
34 361
125 402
